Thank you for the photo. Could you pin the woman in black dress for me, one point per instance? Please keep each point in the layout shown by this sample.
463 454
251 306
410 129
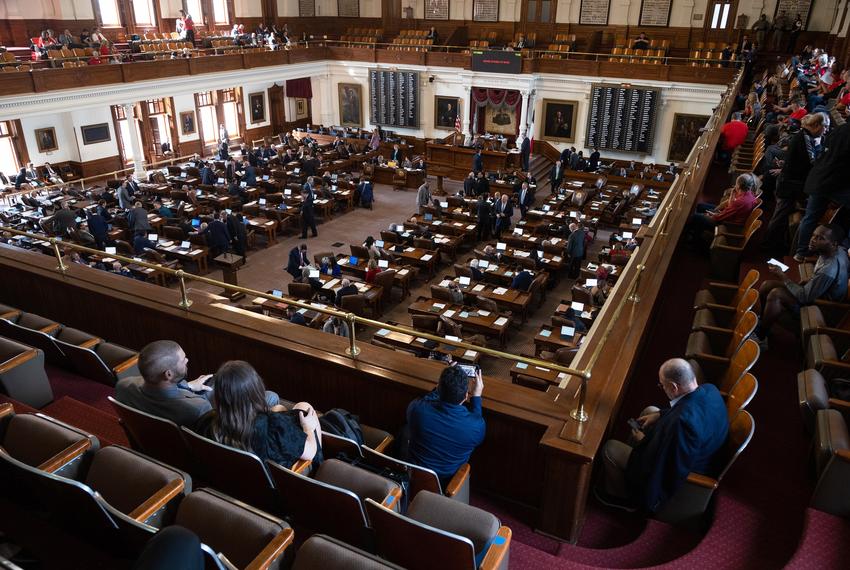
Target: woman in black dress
242 419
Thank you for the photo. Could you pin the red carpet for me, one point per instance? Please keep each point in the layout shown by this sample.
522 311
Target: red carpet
105 426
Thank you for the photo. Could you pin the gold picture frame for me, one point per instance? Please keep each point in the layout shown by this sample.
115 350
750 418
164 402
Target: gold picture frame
350 101
559 121
446 111
187 123
46 139
257 107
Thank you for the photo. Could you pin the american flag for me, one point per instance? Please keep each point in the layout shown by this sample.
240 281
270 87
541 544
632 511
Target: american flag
457 122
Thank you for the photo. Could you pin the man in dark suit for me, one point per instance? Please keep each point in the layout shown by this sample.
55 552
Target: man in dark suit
525 151
223 151
294 316
397 155
347 289
367 193
504 213
483 212
308 217
469 185
593 162
132 185
297 259
64 220
477 274
141 242
556 175
522 279
671 443
525 199
250 176
207 175
477 161
565 155
238 233
482 185
21 178
98 227
218 238
575 250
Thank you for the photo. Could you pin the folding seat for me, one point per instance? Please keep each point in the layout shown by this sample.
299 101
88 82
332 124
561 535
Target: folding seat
421 478
741 395
738 230
726 252
43 442
723 317
103 362
440 533
331 501
320 552
829 353
244 536
727 294
713 349
22 374
832 463
32 330
823 316
359 251
688 505
156 437
354 304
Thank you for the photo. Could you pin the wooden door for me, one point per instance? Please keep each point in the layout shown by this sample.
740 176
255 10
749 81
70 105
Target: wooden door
278 114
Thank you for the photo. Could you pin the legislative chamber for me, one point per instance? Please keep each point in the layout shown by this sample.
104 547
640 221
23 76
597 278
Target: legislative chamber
354 200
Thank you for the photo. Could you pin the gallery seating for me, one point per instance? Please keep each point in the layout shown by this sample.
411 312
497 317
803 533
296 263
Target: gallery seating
832 463
22 374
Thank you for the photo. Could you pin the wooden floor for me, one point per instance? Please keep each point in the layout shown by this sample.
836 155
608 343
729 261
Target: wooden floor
265 268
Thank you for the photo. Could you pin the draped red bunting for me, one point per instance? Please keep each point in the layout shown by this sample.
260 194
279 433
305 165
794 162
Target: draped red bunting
302 88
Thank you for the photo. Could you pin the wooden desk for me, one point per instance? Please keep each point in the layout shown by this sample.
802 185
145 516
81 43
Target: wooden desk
372 293
512 300
491 325
385 175
457 160
401 279
547 374
195 254
467 230
549 338
417 345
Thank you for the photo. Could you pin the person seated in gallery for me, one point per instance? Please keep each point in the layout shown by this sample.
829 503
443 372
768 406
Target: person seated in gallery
641 42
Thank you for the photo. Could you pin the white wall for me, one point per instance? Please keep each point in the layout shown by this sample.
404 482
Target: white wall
182 103
64 137
170 8
246 104
248 8
94 116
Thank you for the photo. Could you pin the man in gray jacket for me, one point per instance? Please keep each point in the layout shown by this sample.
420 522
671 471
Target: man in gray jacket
423 197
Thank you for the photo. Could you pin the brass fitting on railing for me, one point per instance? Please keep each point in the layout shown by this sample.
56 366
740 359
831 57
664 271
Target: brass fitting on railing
579 414
352 349
185 302
55 243
634 297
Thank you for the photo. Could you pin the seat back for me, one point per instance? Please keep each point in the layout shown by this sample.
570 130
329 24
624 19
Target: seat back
238 473
745 327
421 478
310 501
385 279
22 374
86 362
158 437
251 537
742 361
35 331
832 458
405 541
742 394
320 552
355 304
441 293
426 323
317 258
359 252
301 291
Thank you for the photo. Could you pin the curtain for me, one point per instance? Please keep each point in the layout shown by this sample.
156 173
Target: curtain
302 88
481 97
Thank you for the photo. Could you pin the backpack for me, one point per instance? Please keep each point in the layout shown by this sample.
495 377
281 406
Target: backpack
342 423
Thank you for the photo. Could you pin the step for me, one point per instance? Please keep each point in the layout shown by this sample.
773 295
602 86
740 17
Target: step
89 419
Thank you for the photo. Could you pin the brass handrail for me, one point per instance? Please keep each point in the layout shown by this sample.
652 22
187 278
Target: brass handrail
183 275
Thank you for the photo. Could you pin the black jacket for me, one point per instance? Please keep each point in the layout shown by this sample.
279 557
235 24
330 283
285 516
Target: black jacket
831 171
796 168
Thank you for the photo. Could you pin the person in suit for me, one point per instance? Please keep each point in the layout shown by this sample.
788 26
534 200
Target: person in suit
218 238
336 326
477 161
672 442
469 185
238 233
98 227
522 278
504 212
125 200
565 155
294 316
575 250
207 175
223 151
308 217
297 260
423 197
593 162
132 185
21 178
556 175
348 288
483 212
525 199
482 185
137 218
141 242
575 159
525 151
367 194
250 176
397 155
64 220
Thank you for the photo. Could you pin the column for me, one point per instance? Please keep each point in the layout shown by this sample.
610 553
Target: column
464 110
523 118
135 144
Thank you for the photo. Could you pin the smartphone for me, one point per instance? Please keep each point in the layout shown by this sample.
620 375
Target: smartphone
633 423
470 370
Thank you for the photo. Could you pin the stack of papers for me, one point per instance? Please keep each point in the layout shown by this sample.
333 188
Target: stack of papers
500 321
500 290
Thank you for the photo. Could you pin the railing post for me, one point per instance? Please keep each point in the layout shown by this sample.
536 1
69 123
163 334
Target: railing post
58 253
635 295
352 349
579 414
185 302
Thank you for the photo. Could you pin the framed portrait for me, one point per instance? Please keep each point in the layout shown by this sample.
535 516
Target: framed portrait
93 134
46 139
350 104
500 120
445 111
257 101
684 135
187 123
301 110
559 121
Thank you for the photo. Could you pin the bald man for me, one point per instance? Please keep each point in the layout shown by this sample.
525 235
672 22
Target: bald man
666 444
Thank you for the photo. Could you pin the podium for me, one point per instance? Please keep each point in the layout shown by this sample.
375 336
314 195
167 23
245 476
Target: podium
230 264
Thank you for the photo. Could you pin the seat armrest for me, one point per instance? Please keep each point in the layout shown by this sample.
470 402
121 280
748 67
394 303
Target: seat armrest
498 550
385 444
840 338
17 360
272 551
302 467
6 409
51 329
159 500
11 315
126 365
842 406
391 501
722 291
90 343
718 338
702 480
67 455
460 478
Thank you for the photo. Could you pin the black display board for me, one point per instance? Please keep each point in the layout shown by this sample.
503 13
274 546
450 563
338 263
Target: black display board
622 118
394 98
497 61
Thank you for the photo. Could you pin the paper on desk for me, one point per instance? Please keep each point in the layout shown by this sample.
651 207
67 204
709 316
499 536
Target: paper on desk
408 249
258 300
556 258
342 261
470 354
383 332
436 222
500 321
464 315
440 305
586 315
403 272
545 333
521 365
483 313
479 287
330 284
426 257
444 283
543 369
449 314
500 290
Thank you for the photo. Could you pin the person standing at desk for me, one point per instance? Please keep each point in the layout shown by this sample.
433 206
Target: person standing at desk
477 161
218 238
397 155
483 211
575 250
469 185
308 217
525 200
297 260
504 213
423 197
525 152
556 176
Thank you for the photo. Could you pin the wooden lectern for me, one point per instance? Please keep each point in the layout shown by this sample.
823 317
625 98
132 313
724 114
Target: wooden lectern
230 264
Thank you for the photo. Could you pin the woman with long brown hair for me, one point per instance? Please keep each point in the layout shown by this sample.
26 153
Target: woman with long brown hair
241 418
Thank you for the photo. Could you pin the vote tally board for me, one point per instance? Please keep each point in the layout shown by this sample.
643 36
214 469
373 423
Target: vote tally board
622 118
394 98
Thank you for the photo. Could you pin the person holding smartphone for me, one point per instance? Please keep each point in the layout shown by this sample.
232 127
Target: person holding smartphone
446 425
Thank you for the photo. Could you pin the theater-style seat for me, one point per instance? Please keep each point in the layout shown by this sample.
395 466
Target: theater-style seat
243 535
714 349
726 251
832 464
157 437
321 552
440 533
688 505
32 330
829 353
103 362
813 395
421 478
332 501
43 442
22 374
723 317
741 395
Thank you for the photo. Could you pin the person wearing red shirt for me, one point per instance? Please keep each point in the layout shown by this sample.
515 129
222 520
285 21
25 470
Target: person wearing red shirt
188 26
734 211
372 271
799 113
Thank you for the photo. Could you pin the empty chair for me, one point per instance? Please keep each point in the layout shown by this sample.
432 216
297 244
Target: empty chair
742 393
320 552
245 536
22 374
742 361
385 280
713 349
354 304
43 442
332 501
726 251
723 317
454 535
824 350
832 463
689 503
426 323
157 437
422 478
823 314
727 294
104 362
302 291
32 330
359 252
